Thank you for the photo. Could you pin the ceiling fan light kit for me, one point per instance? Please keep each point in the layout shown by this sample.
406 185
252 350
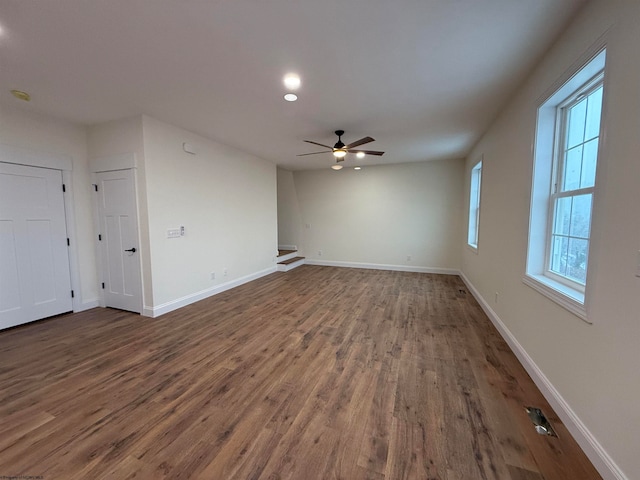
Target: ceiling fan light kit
340 150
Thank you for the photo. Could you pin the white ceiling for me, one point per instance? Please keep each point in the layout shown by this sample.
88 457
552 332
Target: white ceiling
422 77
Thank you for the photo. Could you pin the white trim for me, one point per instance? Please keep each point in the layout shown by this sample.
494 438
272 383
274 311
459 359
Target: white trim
32 158
201 295
380 266
563 295
287 247
471 248
72 234
589 444
288 256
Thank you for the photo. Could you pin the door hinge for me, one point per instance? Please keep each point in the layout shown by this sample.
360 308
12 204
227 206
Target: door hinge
103 285
68 242
99 237
72 294
64 188
95 186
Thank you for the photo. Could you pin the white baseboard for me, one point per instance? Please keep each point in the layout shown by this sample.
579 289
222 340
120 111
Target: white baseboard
383 266
201 295
88 305
589 444
287 247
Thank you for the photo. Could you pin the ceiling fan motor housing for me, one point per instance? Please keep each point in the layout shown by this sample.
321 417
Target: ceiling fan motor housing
339 145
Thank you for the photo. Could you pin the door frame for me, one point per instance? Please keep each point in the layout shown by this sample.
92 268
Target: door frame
125 161
64 163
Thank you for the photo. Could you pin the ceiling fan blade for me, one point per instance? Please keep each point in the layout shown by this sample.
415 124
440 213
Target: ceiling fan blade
316 143
367 152
314 153
357 143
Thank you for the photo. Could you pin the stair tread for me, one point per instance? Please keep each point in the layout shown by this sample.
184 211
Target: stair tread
282 253
291 260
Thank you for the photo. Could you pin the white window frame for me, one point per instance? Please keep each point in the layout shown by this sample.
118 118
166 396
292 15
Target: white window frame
475 192
547 172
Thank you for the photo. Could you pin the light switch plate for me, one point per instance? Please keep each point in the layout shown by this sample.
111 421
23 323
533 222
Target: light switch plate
173 233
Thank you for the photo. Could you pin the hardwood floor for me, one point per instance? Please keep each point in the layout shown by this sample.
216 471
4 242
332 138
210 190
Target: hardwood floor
317 373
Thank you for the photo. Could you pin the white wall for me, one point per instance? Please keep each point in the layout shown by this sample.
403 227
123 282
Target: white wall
594 368
382 214
23 129
225 199
289 220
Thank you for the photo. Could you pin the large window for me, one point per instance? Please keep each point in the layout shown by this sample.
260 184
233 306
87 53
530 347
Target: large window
474 205
564 181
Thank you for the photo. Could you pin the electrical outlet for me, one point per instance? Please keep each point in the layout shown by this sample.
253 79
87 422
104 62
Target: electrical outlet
319 253
496 297
213 275
408 258
225 272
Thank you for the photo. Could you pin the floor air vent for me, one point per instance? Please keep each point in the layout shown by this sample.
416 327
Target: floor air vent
540 422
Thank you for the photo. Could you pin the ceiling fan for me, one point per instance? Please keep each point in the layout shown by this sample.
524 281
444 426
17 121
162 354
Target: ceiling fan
340 150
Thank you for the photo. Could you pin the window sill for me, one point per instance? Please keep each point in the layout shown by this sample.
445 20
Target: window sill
473 248
564 296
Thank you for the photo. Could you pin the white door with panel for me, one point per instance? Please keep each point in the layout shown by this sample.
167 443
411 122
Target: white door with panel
118 239
35 281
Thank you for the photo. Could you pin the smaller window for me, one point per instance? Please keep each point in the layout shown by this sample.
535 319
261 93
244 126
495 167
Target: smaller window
474 205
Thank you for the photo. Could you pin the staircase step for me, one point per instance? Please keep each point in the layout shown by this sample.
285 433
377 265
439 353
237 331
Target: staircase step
286 255
290 264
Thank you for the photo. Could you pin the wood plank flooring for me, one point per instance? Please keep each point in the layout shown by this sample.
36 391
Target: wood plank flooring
317 373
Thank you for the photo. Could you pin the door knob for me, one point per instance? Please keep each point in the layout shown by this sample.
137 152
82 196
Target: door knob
132 250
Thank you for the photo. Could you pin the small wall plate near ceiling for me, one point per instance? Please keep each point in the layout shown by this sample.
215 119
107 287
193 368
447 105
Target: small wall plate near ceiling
19 94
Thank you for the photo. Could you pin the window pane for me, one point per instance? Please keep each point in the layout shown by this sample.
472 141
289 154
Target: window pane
594 108
562 216
575 123
572 169
474 205
589 161
581 216
577 260
559 254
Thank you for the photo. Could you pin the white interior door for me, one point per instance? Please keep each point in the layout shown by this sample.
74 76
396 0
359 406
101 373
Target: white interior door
119 240
34 259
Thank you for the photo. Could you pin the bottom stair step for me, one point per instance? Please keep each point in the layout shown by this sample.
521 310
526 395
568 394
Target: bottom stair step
290 264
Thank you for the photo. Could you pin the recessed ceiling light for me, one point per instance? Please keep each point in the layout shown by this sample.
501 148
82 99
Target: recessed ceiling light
291 81
21 95
336 167
360 154
291 97
357 168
